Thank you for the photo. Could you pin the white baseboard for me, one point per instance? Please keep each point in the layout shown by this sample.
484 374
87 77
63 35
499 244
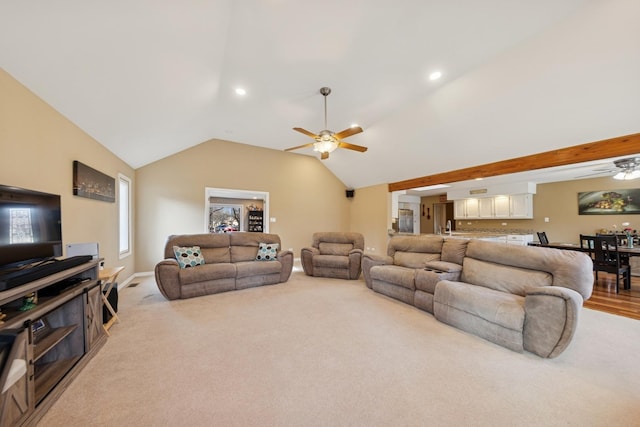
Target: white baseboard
132 277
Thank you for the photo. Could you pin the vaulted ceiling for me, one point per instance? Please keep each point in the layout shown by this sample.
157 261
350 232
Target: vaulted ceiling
150 78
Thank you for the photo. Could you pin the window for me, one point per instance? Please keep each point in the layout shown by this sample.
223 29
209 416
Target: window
225 218
124 201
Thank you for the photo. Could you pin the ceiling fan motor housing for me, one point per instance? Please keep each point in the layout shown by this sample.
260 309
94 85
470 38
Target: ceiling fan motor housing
628 164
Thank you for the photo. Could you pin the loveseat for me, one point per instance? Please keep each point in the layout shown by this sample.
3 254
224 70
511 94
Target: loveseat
333 254
212 263
520 297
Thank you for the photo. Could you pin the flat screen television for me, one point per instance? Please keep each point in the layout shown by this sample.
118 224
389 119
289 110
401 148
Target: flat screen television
30 227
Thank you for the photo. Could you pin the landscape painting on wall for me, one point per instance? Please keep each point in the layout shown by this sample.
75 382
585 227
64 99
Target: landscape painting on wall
611 202
92 184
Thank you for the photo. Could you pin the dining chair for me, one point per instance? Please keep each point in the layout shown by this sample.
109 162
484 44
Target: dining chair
587 242
542 237
606 258
621 238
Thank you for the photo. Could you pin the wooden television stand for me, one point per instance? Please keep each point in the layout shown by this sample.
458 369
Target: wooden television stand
56 338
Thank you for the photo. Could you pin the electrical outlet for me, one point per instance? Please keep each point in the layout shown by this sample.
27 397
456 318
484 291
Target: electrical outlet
546 219
272 219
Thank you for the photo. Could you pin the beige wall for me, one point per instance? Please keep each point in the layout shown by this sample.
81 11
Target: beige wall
37 149
304 196
370 215
559 202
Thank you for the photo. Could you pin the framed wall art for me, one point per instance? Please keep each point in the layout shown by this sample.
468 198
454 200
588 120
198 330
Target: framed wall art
92 184
609 202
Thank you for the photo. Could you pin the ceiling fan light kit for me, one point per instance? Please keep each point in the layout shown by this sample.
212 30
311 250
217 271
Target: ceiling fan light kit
627 175
327 141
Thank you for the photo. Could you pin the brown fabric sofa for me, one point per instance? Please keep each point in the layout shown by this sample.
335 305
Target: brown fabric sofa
229 264
520 297
333 254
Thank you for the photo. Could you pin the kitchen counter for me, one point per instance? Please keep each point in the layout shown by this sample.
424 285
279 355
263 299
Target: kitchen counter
474 234
458 234
510 238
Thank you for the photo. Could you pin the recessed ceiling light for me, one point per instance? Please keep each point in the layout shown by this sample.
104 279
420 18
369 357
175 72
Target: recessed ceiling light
354 125
240 91
478 179
435 75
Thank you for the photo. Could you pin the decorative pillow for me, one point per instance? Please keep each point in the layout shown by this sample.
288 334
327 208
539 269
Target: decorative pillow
267 251
189 256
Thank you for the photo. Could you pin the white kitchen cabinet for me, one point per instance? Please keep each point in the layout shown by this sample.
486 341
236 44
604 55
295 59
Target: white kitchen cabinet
521 206
501 207
466 209
486 207
473 208
460 209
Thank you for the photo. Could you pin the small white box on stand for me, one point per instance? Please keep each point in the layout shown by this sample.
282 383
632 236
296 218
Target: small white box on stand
74 249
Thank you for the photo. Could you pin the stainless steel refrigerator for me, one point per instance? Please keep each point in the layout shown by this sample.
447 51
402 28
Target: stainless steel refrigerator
405 220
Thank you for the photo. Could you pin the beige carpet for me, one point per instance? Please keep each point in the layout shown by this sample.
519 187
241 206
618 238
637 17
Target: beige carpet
325 352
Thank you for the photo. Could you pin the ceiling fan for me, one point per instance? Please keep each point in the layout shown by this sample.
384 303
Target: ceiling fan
327 141
625 169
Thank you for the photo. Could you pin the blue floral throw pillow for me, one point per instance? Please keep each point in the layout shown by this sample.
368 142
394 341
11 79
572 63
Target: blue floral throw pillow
190 256
267 251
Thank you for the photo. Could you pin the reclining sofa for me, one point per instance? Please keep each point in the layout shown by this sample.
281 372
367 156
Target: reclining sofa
221 262
520 297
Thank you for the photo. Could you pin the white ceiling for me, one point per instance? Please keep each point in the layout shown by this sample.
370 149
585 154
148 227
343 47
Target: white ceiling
150 78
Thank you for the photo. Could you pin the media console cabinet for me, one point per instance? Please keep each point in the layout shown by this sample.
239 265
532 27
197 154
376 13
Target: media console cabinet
52 342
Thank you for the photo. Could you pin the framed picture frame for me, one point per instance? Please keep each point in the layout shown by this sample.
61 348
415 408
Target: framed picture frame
39 326
609 202
92 184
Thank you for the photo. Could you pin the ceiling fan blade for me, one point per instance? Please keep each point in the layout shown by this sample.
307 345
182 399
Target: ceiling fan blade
299 146
610 171
306 132
324 156
348 132
354 147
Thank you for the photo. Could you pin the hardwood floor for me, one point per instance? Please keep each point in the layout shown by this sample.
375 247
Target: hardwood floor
604 298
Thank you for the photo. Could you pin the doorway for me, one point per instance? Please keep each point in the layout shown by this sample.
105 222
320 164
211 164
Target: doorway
442 212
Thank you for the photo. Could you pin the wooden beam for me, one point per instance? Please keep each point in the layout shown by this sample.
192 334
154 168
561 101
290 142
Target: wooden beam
608 148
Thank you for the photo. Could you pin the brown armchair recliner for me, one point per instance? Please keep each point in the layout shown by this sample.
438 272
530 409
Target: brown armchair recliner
334 254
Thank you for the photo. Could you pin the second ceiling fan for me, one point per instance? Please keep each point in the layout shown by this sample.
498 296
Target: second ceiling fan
327 141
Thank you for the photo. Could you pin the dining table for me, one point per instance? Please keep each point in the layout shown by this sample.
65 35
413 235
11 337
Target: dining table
623 250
